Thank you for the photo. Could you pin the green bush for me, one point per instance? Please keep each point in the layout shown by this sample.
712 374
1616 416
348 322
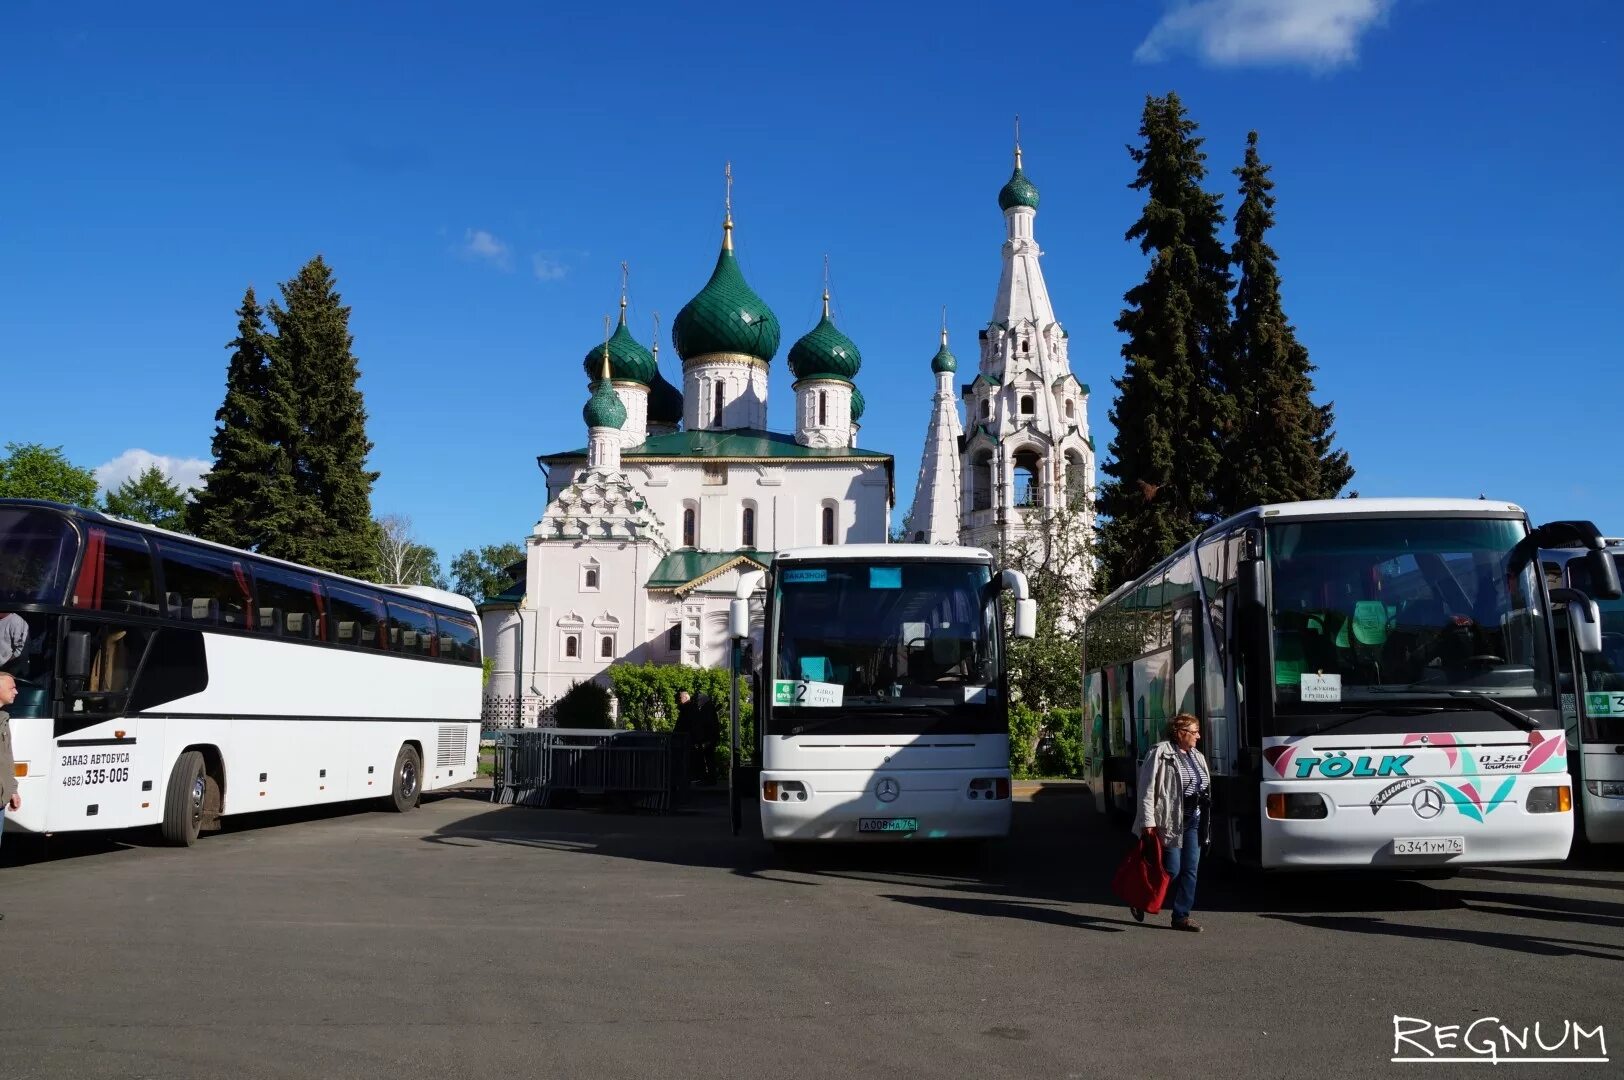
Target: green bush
647 694
1023 738
584 705
1048 744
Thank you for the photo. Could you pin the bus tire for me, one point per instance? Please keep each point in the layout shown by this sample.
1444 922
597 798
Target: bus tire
183 801
406 782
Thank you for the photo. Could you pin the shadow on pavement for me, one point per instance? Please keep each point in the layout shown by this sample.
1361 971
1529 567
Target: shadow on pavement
1534 944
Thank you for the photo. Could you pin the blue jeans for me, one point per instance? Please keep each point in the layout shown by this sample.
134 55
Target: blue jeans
1182 864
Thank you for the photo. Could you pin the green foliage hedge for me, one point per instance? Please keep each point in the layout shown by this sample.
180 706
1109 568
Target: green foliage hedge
1047 744
584 705
647 695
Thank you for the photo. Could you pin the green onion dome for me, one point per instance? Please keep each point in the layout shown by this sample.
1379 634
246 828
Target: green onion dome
727 316
825 353
1019 191
628 360
944 361
664 401
857 404
604 408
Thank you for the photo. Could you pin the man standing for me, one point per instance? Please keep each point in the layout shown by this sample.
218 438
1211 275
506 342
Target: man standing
10 797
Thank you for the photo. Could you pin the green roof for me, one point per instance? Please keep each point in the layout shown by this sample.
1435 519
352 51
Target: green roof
664 401
1018 192
944 360
858 404
726 317
604 408
738 444
691 568
627 358
824 352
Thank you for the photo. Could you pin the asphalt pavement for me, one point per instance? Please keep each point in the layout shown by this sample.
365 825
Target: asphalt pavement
466 939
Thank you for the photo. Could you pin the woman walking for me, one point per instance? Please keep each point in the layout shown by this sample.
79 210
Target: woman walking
1175 797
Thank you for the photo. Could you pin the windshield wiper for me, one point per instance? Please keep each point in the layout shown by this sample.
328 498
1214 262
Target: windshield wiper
1515 716
1392 710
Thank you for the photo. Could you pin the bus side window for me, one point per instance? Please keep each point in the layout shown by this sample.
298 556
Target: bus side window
356 616
116 574
214 590
289 603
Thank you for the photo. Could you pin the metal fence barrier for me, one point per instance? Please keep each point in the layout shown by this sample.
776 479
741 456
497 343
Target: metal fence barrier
533 766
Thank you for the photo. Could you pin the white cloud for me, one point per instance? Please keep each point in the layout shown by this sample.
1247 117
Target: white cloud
1320 34
184 473
548 269
479 244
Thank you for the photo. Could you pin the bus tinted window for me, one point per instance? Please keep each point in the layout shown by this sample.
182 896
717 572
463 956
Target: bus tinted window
36 555
459 638
411 631
357 617
205 588
115 574
290 603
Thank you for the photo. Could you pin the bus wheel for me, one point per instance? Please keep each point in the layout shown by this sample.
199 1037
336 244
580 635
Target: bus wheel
406 786
183 801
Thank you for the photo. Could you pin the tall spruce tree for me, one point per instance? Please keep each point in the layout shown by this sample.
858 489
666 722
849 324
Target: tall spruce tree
1170 406
1279 446
322 507
234 505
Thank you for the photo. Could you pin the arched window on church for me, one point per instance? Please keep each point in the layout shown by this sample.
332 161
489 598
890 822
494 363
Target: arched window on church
747 527
1028 404
986 408
823 408
1076 478
673 638
690 527
716 405
591 579
1071 410
1026 346
828 524
572 646
1028 478
606 647
981 478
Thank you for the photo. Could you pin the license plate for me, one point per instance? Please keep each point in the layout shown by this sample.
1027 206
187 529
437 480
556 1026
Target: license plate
888 824
1430 845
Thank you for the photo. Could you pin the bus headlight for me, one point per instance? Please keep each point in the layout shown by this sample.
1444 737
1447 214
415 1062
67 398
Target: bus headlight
783 790
1550 800
1607 789
1298 804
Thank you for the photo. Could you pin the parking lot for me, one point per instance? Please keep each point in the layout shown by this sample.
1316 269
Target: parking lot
466 939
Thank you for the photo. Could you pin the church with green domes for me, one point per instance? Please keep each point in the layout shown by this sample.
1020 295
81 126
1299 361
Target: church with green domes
677 492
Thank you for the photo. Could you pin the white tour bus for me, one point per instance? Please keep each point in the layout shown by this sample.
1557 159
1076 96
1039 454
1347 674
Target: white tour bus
1374 679
882 699
165 680
1594 709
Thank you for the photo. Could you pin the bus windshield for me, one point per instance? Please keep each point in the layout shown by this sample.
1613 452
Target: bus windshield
1372 610
37 549
886 647
1604 673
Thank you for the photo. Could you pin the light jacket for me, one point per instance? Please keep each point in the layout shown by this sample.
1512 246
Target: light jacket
1161 792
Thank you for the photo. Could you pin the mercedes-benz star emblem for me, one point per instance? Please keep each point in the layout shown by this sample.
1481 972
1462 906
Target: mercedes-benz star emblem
1428 802
887 790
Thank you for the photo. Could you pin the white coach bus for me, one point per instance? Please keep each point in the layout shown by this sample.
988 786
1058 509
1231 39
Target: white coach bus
165 680
882 710
1374 679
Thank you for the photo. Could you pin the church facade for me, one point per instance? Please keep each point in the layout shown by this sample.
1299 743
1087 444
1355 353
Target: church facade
677 492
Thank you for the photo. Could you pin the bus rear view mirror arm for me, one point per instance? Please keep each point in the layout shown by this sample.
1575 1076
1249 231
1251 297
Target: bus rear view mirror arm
738 610
1583 616
1026 609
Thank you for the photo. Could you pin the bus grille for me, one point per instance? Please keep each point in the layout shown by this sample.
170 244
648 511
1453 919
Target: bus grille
453 747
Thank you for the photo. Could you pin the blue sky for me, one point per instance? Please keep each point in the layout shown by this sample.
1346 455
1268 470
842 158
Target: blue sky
1449 226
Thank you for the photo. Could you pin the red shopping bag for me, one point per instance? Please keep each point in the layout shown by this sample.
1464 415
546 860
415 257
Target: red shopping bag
1140 881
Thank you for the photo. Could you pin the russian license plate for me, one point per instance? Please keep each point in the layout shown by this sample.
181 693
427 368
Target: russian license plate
888 824
1429 845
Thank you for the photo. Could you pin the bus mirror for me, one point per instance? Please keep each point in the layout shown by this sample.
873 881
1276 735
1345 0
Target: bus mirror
738 619
1026 618
1604 584
77 660
1250 578
1584 618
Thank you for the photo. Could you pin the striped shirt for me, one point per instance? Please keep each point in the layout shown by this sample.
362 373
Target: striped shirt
1190 771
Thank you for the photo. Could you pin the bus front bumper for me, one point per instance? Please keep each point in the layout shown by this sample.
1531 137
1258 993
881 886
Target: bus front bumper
924 804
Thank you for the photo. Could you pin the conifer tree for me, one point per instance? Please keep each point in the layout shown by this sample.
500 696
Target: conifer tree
1279 447
1170 406
322 509
234 505
150 497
